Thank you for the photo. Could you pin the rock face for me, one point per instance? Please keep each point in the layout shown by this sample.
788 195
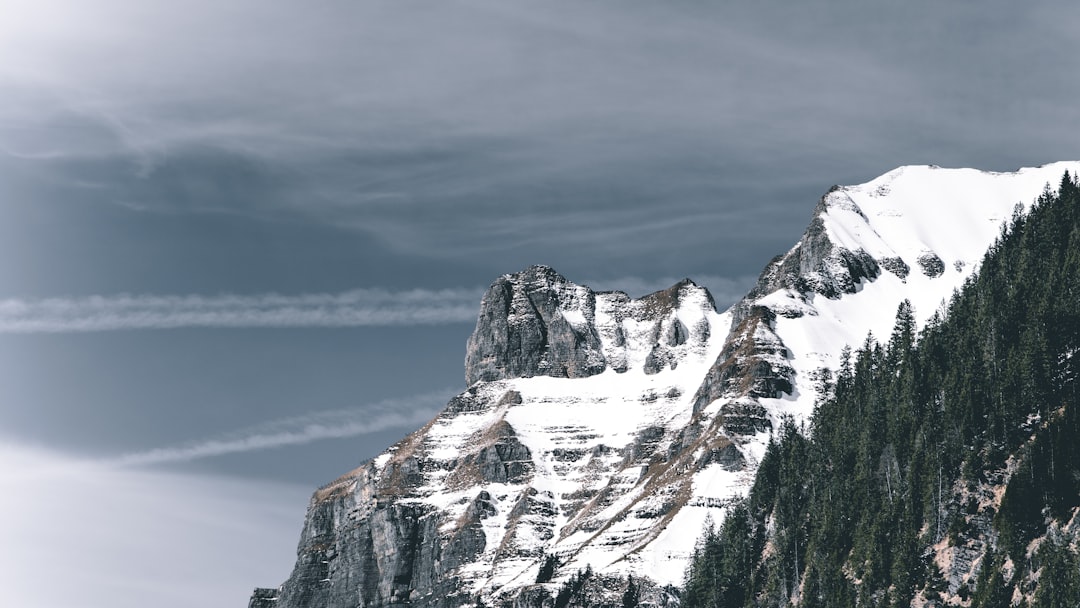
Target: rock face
600 432
513 471
754 364
820 265
534 323
366 543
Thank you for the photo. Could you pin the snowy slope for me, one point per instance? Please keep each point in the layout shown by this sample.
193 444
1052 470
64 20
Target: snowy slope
914 213
580 433
606 431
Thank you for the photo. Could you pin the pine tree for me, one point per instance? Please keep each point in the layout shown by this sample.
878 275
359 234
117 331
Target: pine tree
631 596
547 569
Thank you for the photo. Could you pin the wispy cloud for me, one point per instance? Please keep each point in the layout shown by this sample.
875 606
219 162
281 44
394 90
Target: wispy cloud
407 412
202 540
360 307
355 308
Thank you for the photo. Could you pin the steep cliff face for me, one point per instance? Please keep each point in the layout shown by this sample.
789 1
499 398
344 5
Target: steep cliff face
819 264
524 464
752 365
600 432
534 323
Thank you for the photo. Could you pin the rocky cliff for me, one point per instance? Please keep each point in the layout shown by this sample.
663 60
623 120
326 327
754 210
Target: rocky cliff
600 432
536 323
522 465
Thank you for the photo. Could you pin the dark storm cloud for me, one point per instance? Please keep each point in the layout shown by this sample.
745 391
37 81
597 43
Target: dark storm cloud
598 131
195 148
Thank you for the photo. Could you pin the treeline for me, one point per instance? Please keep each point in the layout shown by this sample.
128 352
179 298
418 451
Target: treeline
909 436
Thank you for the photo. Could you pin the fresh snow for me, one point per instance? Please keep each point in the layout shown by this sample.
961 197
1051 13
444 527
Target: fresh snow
955 214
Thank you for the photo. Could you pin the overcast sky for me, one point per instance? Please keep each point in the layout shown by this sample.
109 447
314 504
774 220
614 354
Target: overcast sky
242 244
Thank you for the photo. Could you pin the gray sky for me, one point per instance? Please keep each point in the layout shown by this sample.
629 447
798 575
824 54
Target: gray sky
242 246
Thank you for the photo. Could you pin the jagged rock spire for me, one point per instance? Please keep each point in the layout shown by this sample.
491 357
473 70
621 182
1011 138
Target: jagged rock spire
534 323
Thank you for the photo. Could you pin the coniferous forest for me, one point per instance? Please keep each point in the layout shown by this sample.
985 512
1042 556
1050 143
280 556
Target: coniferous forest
957 447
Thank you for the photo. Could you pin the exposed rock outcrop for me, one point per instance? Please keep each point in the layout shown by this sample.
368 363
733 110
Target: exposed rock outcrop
537 323
411 526
360 547
534 323
932 266
819 265
752 365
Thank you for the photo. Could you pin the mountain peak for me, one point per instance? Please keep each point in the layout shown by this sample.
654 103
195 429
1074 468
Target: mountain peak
537 323
535 273
600 432
534 322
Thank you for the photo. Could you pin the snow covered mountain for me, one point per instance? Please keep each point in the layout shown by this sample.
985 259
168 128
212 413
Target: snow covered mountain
602 432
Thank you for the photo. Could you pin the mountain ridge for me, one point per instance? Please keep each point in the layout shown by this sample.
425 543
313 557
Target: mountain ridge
664 408
942 468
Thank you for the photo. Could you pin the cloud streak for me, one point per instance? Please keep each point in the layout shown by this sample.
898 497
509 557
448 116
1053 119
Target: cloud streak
408 412
185 528
356 308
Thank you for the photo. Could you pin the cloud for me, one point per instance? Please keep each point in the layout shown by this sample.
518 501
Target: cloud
360 307
613 132
409 412
76 533
355 308
201 540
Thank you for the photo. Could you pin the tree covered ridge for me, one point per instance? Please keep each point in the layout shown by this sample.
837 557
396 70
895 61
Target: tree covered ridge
896 487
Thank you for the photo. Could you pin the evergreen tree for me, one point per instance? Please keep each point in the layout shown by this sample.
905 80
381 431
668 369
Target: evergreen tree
547 569
632 595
